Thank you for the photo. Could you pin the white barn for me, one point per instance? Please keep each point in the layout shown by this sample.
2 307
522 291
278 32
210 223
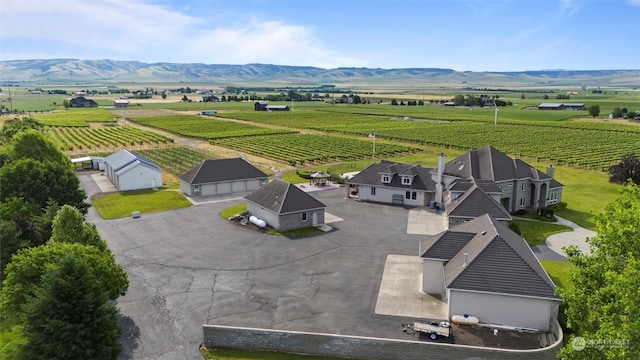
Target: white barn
131 171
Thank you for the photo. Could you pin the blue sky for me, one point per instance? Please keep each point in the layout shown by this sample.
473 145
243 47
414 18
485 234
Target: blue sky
464 35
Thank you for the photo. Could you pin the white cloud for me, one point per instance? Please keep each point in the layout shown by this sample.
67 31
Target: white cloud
633 2
136 30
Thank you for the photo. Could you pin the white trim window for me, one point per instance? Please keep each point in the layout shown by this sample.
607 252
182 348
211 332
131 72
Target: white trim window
304 216
406 180
524 186
386 179
373 191
523 202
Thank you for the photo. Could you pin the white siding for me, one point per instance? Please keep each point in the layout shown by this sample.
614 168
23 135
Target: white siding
385 195
138 177
433 276
506 310
271 218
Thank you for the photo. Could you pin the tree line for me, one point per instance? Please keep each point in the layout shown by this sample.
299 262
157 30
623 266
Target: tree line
59 278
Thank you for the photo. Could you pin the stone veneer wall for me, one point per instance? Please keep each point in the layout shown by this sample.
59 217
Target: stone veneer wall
362 347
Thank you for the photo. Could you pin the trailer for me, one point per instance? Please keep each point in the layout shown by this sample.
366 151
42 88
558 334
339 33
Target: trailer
433 328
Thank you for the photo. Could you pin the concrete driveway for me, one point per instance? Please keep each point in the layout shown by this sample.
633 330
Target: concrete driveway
188 267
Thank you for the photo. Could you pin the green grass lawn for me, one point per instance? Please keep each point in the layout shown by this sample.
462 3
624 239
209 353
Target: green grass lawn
114 206
233 210
536 232
559 272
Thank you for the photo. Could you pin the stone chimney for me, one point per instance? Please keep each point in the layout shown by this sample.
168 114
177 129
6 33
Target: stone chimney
439 185
551 171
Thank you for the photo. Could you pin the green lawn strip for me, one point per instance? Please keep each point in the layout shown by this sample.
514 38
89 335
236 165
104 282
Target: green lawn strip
114 206
559 272
536 232
229 354
233 210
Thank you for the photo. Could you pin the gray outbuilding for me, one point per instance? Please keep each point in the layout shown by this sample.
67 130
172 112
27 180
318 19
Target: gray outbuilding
221 177
285 207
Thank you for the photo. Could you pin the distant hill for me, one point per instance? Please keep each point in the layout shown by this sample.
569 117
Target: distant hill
74 71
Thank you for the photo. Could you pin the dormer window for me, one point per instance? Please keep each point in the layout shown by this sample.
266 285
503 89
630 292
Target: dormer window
386 179
407 180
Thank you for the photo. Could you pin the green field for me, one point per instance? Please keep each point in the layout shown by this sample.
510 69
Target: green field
84 138
122 204
76 117
205 127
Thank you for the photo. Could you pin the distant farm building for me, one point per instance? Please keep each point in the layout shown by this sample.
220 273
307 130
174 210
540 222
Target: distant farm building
561 106
81 101
264 106
210 98
120 103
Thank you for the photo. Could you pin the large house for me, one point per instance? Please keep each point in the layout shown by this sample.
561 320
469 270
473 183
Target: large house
221 177
482 268
131 171
488 173
284 206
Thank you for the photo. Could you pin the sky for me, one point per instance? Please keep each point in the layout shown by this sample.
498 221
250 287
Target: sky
464 35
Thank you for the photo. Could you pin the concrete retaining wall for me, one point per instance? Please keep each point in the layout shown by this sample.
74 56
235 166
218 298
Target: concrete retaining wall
360 347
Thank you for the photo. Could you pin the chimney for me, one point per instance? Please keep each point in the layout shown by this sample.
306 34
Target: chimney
551 171
439 186
465 261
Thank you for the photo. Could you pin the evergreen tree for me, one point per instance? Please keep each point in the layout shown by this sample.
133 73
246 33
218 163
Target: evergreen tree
69 317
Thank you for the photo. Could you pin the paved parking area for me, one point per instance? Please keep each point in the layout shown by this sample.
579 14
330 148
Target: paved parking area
188 267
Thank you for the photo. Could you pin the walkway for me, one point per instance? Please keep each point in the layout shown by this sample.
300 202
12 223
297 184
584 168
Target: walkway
576 237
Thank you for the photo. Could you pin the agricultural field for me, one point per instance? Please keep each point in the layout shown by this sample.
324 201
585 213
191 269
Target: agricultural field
76 117
105 137
205 127
554 137
177 159
298 149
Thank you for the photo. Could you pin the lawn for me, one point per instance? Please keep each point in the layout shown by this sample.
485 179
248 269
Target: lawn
114 206
536 232
559 272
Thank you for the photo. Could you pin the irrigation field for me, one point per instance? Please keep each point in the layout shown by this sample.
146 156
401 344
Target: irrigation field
556 138
205 127
176 159
305 148
85 138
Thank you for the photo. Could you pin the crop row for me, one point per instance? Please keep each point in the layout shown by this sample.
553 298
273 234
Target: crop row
589 145
74 138
206 127
76 117
300 148
177 159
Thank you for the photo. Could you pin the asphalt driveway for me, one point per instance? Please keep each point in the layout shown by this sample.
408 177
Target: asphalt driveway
189 266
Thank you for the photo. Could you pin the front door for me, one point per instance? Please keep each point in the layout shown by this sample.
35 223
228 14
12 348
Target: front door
314 219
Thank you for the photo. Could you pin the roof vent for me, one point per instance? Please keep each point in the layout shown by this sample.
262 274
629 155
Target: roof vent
277 198
483 233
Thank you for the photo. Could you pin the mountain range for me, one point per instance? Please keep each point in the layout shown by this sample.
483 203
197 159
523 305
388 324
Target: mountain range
74 71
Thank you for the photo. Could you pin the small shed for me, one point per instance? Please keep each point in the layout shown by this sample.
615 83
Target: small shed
121 103
285 207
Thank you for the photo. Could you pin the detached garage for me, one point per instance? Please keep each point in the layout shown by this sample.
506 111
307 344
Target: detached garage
484 269
221 177
131 171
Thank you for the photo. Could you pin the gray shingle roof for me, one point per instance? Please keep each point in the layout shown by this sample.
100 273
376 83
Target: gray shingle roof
495 259
220 170
123 158
372 176
282 197
487 163
475 202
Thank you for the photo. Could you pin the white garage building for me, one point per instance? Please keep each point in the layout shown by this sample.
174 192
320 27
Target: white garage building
131 171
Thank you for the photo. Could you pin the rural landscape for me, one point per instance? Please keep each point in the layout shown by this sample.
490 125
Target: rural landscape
583 124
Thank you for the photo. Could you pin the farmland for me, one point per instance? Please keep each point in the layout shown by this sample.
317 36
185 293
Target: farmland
97 138
205 127
298 149
76 117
